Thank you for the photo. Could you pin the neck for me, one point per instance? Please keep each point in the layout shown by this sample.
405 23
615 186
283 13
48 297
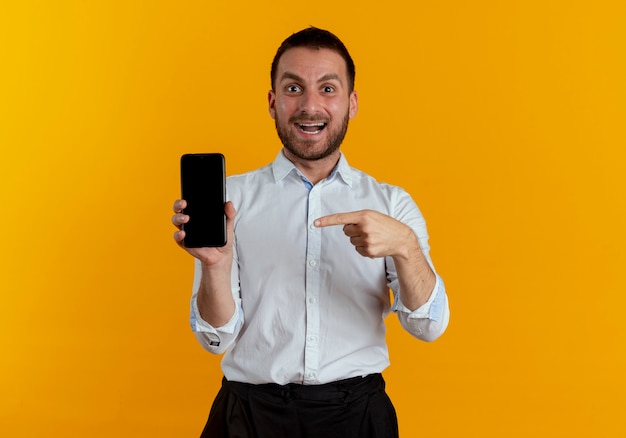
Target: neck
314 170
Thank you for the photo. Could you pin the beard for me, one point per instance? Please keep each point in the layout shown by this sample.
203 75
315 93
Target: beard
302 148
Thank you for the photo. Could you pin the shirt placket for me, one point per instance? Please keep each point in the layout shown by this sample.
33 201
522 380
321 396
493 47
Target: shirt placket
312 285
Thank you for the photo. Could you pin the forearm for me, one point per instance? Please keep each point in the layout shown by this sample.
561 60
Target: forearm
421 301
415 276
215 300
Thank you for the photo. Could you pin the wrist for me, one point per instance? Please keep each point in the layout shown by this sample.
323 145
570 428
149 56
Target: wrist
409 247
216 270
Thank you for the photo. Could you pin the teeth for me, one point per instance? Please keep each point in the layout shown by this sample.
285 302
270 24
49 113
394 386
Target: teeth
303 127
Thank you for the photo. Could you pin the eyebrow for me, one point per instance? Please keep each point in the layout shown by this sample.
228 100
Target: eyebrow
326 77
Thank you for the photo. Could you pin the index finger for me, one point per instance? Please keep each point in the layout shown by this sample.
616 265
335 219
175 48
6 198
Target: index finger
337 219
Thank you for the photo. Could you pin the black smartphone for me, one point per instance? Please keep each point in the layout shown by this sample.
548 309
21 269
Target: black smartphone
203 186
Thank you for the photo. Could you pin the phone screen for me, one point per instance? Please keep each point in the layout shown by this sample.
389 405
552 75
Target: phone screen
203 184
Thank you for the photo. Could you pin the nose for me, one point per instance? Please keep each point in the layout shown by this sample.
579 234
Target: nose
310 102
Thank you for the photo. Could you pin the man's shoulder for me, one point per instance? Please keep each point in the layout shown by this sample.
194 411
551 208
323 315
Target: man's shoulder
251 176
364 179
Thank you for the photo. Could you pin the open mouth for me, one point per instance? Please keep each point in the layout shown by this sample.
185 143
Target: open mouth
311 128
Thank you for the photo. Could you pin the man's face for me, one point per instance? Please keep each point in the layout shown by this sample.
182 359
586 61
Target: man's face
311 104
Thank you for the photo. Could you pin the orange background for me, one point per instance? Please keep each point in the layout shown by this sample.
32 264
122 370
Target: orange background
505 120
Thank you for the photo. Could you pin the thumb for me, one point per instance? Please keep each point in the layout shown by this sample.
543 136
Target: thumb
230 212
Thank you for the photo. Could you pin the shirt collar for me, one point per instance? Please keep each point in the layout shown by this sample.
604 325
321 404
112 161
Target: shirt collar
281 167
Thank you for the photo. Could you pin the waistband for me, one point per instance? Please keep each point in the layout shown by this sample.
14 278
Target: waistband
339 390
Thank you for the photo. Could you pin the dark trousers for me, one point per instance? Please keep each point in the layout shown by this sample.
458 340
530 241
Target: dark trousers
353 408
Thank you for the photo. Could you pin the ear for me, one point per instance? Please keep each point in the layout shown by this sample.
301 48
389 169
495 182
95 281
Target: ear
354 104
271 101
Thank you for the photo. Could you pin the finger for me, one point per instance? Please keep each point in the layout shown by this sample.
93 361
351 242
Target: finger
230 211
357 241
352 230
363 251
178 219
179 205
338 219
178 237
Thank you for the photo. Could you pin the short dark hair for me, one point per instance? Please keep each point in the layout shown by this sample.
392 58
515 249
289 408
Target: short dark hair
314 38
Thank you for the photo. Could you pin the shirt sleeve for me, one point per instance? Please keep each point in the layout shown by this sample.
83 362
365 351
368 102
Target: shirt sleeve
215 339
430 320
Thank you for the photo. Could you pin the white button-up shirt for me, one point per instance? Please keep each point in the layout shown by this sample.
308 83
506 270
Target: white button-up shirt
309 308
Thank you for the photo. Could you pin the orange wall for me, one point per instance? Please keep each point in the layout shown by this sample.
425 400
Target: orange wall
505 120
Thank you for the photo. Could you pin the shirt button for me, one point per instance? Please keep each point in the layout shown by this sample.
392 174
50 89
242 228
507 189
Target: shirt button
313 338
312 226
313 263
312 300
311 375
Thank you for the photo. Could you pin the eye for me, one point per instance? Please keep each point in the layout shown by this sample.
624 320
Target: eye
328 89
293 89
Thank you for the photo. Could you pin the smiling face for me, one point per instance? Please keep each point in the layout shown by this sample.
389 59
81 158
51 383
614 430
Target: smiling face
311 103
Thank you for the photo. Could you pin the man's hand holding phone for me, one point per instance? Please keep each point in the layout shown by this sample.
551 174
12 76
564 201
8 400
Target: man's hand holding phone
209 256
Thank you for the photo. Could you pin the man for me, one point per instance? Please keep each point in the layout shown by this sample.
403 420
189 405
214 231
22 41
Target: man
298 296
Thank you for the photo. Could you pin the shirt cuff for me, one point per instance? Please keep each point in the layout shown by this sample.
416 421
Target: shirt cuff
431 309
